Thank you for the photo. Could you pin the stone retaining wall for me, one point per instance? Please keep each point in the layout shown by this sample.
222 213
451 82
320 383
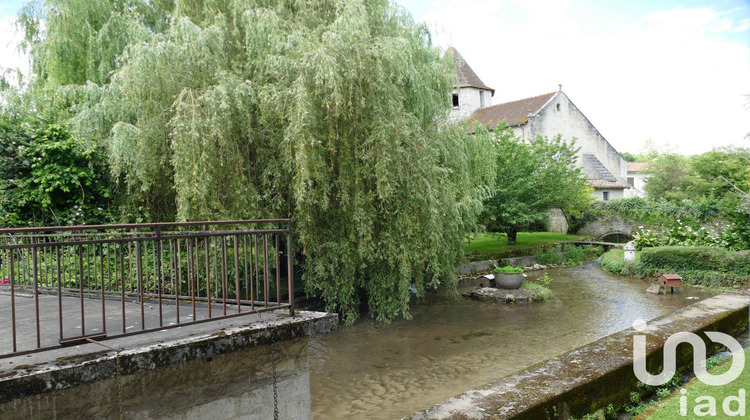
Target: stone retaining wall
591 377
218 370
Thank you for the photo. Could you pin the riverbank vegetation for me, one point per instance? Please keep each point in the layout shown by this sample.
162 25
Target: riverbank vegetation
539 288
705 266
667 402
697 396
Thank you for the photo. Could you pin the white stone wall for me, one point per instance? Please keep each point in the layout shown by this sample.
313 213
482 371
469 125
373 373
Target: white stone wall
561 116
639 182
614 194
469 102
521 132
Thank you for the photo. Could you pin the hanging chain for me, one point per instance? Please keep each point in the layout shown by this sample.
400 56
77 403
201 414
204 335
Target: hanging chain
118 375
273 373
119 384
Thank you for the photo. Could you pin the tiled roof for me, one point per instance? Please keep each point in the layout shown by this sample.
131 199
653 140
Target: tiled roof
595 169
513 113
600 184
466 76
638 166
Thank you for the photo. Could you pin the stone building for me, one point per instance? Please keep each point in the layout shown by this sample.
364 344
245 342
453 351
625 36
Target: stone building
638 173
546 115
470 94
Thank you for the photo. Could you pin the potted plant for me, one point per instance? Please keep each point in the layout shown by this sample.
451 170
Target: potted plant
509 277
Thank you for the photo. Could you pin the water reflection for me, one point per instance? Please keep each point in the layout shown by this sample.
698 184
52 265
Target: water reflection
451 345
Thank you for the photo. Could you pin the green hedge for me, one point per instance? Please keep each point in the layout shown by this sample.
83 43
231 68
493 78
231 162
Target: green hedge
708 266
614 262
680 258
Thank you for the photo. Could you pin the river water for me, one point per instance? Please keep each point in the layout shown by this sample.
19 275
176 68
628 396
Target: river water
452 345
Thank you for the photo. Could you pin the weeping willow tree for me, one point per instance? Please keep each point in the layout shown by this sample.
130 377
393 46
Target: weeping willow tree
327 111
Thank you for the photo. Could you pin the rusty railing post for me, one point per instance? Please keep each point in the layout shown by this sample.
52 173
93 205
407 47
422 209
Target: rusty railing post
290 266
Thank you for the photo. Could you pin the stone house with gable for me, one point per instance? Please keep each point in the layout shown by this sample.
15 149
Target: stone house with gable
547 115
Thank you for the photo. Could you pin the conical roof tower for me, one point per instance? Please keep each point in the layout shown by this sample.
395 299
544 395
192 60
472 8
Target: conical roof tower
465 75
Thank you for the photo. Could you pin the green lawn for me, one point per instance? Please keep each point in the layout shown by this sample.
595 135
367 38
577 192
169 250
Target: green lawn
669 408
493 243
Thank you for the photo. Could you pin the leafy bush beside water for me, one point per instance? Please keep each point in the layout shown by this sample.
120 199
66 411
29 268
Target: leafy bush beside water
707 266
570 254
538 292
614 262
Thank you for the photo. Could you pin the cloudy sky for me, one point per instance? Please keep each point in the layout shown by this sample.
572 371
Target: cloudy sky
673 71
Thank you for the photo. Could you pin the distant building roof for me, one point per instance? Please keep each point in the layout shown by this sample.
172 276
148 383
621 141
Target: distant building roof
638 166
600 184
513 113
465 75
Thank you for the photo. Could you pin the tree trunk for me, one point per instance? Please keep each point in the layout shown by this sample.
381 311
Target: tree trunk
512 236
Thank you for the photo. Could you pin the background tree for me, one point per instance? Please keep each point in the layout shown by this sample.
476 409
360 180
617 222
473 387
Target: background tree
629 157
328 111
671 178
714 183
46 177
532 178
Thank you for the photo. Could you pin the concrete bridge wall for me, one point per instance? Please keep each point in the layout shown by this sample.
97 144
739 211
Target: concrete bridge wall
219 373
591 377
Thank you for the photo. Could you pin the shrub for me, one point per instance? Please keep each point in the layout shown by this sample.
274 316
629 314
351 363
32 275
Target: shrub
680 258
646 238
614 262
591 252
570 254
573 255
739 262
544 280
708 266
538 292
509 269
553 255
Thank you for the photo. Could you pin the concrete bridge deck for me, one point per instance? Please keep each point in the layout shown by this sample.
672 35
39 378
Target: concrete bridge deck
597 243
120 318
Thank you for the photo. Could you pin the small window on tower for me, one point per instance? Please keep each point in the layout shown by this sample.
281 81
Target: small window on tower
481 99
558 107
455 100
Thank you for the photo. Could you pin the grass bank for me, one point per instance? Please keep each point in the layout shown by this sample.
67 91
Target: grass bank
495 245
669 408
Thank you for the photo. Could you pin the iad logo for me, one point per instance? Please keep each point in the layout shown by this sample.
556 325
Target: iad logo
705 405
699 357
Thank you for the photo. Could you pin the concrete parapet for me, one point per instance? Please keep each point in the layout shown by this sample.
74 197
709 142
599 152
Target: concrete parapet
221 370
591 377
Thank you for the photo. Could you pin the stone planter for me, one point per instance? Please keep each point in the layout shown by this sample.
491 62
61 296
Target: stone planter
509 280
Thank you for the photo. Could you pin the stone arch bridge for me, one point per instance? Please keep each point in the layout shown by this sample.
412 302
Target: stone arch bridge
609 230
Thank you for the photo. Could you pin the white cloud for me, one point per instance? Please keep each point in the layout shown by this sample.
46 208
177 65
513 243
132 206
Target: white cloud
10 57
673 76
691 21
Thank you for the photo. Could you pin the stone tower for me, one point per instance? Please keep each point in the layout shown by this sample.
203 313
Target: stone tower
469 92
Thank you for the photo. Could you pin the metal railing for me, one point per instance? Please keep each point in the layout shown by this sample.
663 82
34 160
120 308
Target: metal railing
67 285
